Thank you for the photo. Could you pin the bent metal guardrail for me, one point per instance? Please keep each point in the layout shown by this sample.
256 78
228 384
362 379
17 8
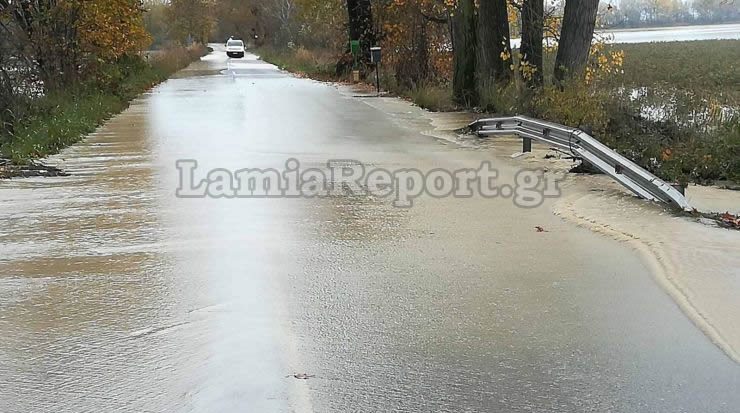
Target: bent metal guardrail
583 146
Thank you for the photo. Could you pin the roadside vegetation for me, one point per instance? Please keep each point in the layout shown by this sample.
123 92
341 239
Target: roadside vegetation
65 67
60 118
318 64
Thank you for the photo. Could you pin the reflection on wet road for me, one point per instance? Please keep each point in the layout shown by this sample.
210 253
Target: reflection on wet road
117 296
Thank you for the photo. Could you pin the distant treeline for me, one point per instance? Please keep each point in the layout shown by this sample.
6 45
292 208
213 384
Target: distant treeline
655 13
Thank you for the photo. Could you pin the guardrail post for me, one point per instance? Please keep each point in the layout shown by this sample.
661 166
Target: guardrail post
680 188
526 145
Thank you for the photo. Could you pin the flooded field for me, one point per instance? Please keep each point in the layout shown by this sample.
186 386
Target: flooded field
667 34
676 34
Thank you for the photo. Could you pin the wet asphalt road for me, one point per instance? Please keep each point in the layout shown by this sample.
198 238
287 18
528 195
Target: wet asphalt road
117 296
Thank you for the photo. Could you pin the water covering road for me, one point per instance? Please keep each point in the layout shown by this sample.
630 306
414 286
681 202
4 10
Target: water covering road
117 296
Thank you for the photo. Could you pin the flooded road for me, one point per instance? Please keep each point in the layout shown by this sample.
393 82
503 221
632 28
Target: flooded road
115 295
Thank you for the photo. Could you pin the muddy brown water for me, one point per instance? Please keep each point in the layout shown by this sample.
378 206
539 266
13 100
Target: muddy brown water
117 296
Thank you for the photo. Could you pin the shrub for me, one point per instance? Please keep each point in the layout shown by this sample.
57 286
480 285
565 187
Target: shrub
316 63
575 105
502 99
433 98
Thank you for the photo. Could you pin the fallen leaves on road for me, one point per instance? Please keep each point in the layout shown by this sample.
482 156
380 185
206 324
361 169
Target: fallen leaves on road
301 376
31 169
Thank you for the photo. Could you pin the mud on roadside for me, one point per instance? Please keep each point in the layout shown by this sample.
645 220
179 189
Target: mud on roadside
8 170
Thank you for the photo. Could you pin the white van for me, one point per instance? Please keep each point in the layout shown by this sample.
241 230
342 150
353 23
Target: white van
235 48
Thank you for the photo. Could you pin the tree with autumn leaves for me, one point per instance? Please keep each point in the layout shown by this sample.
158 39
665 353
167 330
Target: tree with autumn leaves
483 26
479 32
69 40
191 20
110 29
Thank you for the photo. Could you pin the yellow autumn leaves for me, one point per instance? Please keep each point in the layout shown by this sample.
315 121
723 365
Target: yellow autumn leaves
603 62
526 69
108 29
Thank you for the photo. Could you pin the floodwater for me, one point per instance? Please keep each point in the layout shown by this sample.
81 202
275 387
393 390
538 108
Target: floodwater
117 296
667 34
676 34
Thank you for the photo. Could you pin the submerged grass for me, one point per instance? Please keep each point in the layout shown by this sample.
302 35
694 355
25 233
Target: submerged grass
61 118
676 109
433 98
319 64
708 66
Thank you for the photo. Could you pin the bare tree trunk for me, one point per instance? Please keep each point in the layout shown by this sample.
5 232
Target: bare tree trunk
493 41
533 22
579 22
49 37
415 70
361 25
464 43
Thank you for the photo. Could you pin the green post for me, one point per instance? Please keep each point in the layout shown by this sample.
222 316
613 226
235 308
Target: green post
354 46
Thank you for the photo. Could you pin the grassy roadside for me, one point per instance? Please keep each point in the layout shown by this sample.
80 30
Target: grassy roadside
317 64
675 110
62 118
321 65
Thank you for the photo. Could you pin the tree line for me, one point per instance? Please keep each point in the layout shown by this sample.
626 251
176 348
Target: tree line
49 45
464 42
76 47
651 13
480 39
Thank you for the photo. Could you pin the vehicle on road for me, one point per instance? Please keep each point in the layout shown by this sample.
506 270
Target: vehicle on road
235 48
